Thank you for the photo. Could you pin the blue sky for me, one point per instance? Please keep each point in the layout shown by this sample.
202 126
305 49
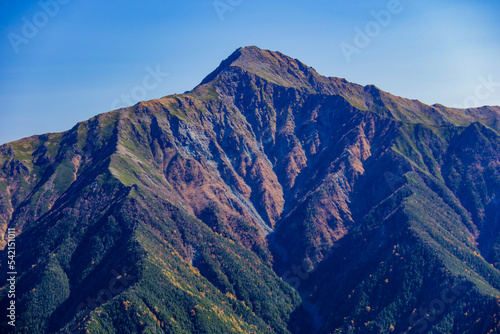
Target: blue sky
88 57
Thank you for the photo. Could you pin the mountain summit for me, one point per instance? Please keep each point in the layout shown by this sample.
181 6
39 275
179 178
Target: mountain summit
271 66
279 69
269 199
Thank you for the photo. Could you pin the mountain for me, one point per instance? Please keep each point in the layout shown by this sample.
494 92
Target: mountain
269 199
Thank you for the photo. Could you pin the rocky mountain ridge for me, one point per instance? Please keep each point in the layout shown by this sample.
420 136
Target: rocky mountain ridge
267 199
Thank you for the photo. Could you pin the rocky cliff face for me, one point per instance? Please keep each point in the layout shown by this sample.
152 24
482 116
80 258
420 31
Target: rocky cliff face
268 199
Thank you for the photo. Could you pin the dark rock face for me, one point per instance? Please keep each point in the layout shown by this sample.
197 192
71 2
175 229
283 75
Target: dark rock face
268 199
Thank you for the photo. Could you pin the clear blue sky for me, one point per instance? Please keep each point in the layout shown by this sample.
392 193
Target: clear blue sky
85 56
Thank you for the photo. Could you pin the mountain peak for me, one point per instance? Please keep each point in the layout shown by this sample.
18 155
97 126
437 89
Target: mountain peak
270 65
198 209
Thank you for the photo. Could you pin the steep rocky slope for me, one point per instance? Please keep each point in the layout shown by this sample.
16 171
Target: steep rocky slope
269 199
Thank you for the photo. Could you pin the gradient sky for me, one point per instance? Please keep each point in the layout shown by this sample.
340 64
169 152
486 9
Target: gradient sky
86 55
